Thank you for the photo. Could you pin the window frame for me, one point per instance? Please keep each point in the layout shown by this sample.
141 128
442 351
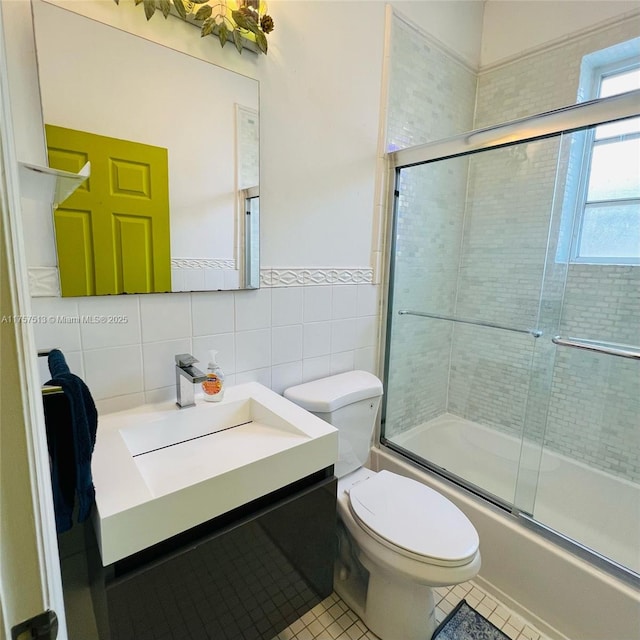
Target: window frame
597 75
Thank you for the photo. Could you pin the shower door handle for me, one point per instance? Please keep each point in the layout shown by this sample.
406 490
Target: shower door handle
610 348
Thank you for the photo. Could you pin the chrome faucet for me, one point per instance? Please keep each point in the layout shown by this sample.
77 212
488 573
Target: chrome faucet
186 377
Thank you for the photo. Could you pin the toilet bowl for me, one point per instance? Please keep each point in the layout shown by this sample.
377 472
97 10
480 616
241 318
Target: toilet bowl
397 538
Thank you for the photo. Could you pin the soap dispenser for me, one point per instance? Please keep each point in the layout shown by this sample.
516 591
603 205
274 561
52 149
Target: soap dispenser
213 386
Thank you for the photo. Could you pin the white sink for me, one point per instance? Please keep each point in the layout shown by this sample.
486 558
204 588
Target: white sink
170 428
159 470
180 448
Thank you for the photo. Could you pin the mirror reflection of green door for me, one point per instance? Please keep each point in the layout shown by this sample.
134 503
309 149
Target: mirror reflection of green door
112 233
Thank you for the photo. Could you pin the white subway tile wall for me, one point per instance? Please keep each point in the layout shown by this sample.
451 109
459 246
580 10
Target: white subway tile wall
124 346
509 205
431 93
542 80
431 97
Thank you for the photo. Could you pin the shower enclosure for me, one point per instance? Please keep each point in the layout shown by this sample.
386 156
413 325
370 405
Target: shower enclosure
512 362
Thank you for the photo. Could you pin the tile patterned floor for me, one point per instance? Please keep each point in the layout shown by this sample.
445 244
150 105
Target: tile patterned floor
333 620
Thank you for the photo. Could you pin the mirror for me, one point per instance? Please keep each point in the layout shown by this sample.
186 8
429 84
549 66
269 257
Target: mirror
98 79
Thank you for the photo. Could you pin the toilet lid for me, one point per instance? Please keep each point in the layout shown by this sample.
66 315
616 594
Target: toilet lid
411 516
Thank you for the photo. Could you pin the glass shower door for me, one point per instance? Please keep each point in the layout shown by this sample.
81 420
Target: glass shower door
470 245
512 362
588 485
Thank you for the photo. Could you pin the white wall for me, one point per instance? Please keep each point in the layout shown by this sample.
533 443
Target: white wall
512 27
320 105
456 25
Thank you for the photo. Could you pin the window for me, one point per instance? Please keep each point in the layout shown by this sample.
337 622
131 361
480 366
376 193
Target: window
609 195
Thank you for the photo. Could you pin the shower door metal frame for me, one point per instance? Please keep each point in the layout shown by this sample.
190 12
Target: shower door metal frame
545 125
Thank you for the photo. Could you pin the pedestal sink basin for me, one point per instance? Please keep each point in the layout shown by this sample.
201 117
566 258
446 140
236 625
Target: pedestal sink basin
159 470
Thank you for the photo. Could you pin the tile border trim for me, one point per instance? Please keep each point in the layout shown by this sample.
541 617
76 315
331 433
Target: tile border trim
202 263
43 281
295 277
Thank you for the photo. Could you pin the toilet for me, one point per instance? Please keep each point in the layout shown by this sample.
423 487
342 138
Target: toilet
397 538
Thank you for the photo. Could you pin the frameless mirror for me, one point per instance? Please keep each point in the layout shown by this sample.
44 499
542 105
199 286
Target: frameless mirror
103 81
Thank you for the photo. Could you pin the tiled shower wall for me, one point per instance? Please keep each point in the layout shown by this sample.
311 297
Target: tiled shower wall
431 97
594 399
509 205
431 92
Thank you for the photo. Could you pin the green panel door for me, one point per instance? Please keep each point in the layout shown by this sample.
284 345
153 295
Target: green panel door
112 234
75 254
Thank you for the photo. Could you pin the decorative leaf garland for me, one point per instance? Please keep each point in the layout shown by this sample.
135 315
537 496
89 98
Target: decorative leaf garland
244 24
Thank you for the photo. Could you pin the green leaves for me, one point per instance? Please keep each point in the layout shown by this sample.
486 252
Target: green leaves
179 5
261 40
165 7
216 21
248 23
207 27
223 34
237 40
204 12
149 8
245 22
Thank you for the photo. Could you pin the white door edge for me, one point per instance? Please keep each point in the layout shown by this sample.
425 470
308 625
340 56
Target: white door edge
27 373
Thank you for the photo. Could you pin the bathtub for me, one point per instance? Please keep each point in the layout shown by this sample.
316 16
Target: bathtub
598 510
566 594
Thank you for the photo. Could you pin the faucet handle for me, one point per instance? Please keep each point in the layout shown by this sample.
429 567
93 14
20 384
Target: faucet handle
185 360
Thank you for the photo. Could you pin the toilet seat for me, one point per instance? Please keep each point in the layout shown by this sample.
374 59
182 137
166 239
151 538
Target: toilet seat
413 520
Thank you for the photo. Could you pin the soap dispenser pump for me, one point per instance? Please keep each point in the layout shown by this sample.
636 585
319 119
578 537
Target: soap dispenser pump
213 386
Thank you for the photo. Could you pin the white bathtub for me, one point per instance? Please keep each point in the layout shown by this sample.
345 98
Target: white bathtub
567 595
598 510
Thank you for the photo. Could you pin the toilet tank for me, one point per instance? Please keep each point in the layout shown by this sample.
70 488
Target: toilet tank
349 401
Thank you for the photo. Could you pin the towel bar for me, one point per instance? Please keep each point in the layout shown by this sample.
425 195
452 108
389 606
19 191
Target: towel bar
610 348
50 390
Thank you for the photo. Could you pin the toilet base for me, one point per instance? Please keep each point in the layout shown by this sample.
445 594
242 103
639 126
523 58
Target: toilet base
350 578
391 607
398 609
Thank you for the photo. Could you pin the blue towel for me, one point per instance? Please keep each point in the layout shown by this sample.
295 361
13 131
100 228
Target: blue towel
72 423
